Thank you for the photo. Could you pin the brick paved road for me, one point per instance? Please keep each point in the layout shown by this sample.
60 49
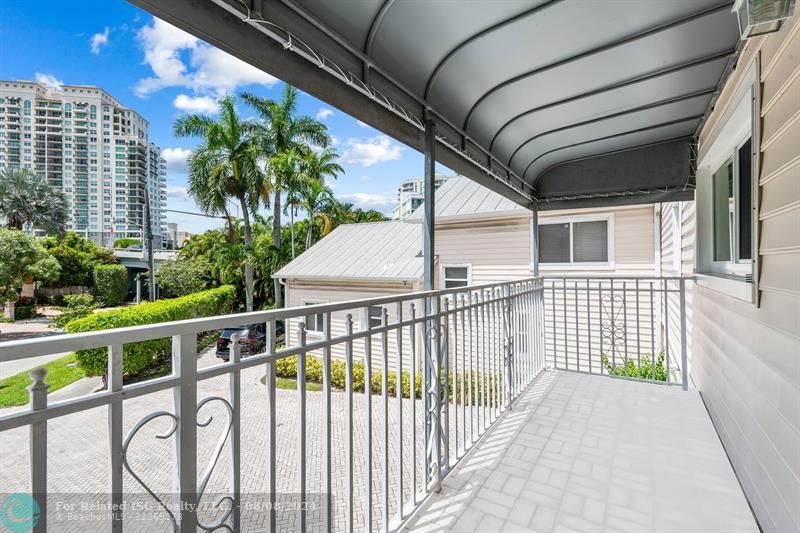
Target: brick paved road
78 452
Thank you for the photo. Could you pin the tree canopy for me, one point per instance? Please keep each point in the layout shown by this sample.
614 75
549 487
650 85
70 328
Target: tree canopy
26 199
22 258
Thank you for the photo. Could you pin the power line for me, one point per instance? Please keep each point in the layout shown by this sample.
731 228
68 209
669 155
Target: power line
195 214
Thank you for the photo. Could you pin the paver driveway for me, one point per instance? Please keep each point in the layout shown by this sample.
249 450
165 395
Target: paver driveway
77 452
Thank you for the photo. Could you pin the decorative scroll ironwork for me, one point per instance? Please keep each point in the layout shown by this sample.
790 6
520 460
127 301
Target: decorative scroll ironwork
433 422
508 353
220 523
613 328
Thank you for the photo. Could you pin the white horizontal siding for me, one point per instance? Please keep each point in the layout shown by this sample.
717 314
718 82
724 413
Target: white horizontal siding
747 359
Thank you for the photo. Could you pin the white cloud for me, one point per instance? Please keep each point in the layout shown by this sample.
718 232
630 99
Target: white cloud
381 201
177 192
324 113
196 104
49 80
99 40
176 159
362 124
368 152
178 59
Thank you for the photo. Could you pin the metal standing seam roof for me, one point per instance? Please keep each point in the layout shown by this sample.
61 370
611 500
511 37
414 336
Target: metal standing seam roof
388 251
540 100
461 197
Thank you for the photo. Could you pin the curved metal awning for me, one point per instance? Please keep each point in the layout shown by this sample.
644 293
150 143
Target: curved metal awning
568 102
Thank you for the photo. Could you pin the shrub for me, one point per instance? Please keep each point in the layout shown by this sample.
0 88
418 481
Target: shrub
183 277
126 242
644 371
111 284
77 257
76 306
25 308
140 356
287 368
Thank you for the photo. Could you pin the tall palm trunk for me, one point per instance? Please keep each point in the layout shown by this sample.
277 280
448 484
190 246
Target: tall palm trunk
310 231
248 256
229 223
291 223
276 240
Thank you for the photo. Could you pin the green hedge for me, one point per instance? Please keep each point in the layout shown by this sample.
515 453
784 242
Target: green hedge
287 368
126 242
111 284
143 355
24 312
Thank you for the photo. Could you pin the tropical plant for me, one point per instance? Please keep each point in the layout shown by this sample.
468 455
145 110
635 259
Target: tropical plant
225 167
111 284
27 199
179 278
317 199
287 164
346 213
278 131
22 258
127 242
75 306
78 258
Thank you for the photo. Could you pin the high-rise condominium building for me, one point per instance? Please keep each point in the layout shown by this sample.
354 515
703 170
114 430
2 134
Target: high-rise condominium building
92 148
410 195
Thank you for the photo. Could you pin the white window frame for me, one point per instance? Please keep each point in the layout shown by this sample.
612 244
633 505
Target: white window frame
734 128
571 219
444 267
314 332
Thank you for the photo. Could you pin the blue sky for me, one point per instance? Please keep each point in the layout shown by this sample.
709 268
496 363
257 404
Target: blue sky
162 72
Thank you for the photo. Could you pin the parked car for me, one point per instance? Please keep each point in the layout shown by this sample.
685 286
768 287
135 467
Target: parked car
252 338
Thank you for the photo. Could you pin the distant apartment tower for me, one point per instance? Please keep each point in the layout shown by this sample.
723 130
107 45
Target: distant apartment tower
92 148
410 195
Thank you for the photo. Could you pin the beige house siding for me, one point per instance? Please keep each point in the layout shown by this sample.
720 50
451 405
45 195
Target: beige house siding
501 250
747 356
677 230
300 293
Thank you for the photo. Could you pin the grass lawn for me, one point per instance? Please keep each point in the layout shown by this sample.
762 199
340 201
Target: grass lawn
286 383
60 373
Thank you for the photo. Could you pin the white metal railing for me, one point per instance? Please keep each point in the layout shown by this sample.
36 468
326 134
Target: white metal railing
474 350
623 326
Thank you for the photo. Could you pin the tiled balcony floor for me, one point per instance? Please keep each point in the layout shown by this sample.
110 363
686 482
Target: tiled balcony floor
590 453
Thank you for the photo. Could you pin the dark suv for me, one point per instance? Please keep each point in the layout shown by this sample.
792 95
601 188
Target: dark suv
252 339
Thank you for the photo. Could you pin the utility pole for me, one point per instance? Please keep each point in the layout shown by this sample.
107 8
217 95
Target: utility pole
148 241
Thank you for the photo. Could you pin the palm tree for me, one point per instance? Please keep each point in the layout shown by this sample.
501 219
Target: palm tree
286 165
279 130
27 199
316 198
346 213
225 167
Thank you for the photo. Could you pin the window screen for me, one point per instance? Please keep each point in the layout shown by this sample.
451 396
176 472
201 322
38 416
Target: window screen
745 200
723 209
456 277
554 243
375 316
590 242
315 322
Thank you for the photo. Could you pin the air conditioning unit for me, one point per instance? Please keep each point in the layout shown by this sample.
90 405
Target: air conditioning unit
758 17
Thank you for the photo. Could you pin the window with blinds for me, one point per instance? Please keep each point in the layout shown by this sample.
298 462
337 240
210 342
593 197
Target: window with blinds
574 242
456 276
